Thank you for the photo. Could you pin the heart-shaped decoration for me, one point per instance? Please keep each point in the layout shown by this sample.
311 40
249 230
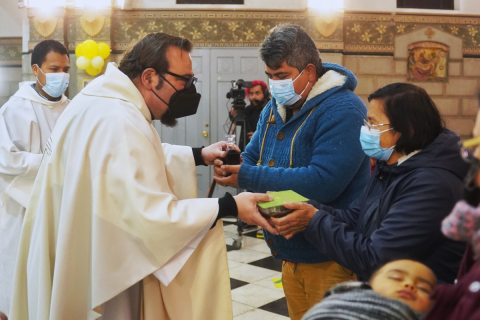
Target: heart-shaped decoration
326 26
45 27
92 24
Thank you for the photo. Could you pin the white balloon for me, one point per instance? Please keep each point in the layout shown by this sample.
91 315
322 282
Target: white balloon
98 62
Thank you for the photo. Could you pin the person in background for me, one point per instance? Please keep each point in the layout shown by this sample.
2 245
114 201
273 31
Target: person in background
400 290
258 96
462 300
26 122
306 141
417 181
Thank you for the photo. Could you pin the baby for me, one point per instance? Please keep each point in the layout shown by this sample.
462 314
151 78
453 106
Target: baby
398 290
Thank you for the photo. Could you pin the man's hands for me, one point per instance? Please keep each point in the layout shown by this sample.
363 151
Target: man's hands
295 222
213 151
248 212
220 172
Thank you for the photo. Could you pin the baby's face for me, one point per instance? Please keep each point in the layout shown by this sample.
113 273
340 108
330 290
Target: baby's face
405 280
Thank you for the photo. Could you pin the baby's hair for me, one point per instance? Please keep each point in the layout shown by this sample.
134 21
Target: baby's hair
375 273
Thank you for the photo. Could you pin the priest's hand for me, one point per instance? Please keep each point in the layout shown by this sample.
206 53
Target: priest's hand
295 222
214 151
248 211
229 181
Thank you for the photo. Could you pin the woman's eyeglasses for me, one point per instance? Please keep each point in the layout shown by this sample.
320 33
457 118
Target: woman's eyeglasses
373 126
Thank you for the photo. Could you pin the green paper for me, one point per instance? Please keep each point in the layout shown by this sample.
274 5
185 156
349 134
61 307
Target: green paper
280 197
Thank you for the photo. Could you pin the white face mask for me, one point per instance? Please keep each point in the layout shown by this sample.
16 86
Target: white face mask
56 83
284 92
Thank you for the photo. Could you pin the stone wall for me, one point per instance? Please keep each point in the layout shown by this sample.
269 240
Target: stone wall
372 45
456 98
10 67
10 77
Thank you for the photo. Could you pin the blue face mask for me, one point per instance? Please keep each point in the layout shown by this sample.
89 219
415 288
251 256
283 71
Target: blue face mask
370 140
284 92
56 83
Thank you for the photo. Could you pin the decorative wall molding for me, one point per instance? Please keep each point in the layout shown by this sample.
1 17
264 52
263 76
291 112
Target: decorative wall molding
11 52
369 48
381 28
92 24
206 28
352 33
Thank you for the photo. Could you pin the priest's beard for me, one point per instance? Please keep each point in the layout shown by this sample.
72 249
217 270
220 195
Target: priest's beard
167 118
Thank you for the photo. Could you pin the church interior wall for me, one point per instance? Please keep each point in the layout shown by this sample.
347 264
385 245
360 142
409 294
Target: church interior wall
10 49
365 41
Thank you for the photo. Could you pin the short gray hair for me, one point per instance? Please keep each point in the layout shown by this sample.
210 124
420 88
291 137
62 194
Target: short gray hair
292 44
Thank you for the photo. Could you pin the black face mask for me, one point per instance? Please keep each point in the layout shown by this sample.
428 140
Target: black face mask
471 192
183 102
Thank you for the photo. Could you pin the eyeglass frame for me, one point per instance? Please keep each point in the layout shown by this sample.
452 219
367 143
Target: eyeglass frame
370 126
188 81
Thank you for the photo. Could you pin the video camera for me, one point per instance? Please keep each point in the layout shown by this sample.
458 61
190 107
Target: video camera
237 93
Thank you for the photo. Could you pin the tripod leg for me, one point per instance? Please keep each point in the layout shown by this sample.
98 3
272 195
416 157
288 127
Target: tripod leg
212 188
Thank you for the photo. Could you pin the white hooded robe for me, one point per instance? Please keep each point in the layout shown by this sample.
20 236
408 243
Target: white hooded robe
26 122
111 206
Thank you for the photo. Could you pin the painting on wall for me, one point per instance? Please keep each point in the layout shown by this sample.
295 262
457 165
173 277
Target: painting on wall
427 61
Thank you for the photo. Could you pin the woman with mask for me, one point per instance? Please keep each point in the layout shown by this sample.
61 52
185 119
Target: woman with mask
418 178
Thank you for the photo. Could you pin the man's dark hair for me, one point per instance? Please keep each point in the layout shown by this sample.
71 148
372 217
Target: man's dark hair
411 112
41 50
151 52
292 44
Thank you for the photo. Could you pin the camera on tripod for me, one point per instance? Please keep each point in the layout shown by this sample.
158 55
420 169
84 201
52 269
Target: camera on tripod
237 93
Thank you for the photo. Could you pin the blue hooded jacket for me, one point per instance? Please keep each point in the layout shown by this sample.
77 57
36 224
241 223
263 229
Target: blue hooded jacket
326 158
399 215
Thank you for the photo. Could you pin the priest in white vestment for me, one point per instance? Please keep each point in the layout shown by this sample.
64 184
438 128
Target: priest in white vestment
26 122
113 230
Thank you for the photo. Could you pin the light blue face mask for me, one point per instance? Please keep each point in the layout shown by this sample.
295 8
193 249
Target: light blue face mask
56 83
284 92
370 140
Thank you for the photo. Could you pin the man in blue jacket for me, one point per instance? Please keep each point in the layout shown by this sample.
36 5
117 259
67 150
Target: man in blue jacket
417 180
306 141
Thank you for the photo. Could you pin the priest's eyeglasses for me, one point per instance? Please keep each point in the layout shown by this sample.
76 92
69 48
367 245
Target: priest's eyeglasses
373 126
188 81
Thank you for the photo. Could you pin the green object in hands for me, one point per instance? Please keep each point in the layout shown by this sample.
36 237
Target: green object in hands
275 207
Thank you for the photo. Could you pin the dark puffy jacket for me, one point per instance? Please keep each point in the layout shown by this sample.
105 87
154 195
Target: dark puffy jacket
398 215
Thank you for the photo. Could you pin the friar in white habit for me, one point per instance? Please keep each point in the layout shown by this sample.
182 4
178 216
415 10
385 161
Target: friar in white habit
26 122
113 230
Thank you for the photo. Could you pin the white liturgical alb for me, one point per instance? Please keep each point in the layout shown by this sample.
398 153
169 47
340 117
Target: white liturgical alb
26 122
110 207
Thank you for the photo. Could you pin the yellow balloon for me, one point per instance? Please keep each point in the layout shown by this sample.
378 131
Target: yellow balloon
104 50
90 49
89 41
97 62
78 50
83 63
92 71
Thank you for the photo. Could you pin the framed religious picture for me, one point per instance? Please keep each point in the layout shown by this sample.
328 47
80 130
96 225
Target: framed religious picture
85 82
427 61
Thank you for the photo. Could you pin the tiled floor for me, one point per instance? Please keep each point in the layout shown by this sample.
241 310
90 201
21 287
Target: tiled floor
251 272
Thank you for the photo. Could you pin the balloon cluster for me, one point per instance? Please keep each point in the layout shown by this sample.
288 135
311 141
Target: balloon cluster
91 55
